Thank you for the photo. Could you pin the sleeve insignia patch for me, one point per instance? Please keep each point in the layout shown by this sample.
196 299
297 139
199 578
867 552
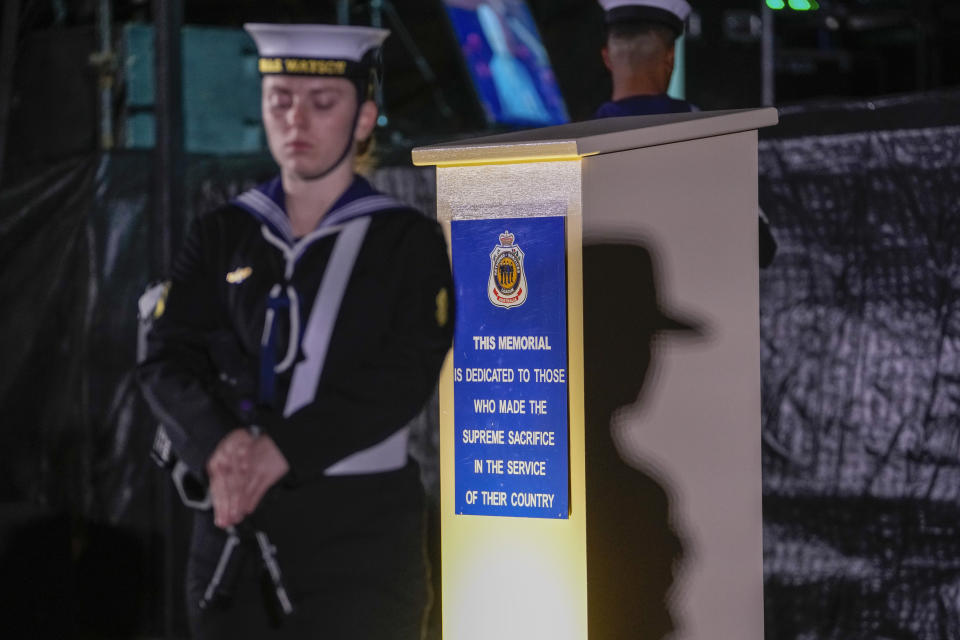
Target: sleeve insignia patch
161 304
443 307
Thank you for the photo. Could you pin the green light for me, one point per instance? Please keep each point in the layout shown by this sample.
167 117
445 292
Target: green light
803 5
776 5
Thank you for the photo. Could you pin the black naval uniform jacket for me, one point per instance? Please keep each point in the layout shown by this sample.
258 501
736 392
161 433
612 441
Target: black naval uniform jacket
350 481
643 105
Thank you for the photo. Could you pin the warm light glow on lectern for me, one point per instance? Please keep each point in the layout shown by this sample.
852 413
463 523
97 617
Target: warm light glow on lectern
513 569
545 592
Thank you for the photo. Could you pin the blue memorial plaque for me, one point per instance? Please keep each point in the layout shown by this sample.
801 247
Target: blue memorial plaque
510 367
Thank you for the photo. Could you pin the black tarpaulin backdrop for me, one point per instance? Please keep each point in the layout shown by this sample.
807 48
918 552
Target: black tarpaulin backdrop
860 322
861 371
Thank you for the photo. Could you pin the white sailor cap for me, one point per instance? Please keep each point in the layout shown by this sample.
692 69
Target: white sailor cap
672 13
317 49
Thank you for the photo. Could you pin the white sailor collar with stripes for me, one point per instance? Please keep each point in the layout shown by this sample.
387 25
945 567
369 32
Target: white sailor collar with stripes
266 202
351 215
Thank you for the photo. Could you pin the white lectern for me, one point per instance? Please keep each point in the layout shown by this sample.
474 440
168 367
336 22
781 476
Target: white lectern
600 412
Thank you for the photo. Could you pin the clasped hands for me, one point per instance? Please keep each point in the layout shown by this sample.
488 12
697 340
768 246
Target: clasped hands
241 470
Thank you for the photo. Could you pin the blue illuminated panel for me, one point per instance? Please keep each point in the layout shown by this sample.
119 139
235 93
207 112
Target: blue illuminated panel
510 367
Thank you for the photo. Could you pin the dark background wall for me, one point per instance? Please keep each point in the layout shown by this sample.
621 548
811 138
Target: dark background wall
859 311
847 48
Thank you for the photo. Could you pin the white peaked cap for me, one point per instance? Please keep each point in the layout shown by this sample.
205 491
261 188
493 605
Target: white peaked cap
673 13
315 41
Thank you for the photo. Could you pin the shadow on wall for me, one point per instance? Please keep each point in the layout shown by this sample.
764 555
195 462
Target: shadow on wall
633 552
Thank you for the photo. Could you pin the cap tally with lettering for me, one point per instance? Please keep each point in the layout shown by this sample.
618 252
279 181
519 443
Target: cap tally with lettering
317 49
672 13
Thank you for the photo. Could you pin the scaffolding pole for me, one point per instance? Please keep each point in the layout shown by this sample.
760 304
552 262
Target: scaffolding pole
168 190
768 66
105 62
168 110
8 56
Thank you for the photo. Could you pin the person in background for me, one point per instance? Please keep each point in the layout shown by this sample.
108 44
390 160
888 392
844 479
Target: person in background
639 51
304 326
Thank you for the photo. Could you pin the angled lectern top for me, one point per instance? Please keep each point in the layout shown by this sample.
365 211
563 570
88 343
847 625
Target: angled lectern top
591 137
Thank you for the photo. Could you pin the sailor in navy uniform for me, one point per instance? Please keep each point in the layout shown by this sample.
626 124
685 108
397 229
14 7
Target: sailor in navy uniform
639 52
304 326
